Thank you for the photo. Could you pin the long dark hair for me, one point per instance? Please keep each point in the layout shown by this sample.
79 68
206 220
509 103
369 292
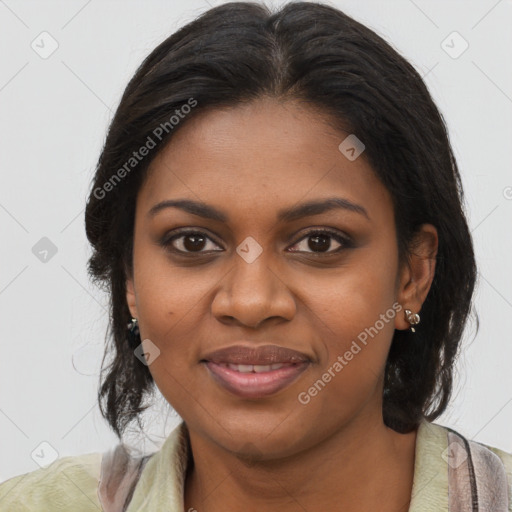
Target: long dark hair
316 54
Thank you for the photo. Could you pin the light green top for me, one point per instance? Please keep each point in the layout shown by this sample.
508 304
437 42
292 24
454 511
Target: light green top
71 483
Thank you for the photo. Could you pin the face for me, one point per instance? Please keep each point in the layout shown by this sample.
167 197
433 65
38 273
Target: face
322 284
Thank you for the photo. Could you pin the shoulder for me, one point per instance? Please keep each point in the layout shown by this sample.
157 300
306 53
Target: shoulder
505 457
447 435
497 466
506 460
493 457
69 483
483 469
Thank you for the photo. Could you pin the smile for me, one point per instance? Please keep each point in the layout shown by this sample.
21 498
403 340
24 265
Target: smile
255 381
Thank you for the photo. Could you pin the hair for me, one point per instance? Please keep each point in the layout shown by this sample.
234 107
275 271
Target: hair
317 55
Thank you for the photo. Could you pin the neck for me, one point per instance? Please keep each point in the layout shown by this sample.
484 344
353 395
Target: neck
362 466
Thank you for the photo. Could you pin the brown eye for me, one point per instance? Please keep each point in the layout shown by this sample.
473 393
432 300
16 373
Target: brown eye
190 242
321 241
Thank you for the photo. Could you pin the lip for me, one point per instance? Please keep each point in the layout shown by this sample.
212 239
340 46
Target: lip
264 355
222 363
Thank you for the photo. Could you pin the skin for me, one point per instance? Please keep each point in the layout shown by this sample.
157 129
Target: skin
250 162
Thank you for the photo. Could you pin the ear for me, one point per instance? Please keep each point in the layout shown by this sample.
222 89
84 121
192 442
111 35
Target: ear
131 298
417 273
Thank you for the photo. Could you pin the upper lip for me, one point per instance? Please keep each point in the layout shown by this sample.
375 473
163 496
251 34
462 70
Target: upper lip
262 355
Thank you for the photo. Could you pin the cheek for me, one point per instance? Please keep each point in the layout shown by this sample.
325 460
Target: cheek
173 306
353 316
351 298
166 293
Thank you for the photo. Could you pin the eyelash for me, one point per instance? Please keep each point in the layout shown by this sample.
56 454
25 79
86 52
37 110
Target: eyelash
346 242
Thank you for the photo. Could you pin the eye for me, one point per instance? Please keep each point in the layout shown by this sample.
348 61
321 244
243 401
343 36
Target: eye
189 242
320 241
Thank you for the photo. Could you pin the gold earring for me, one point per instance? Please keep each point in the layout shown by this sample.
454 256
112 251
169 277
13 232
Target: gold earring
412 318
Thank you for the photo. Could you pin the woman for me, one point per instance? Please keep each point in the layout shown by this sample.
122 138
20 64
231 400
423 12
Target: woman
278 215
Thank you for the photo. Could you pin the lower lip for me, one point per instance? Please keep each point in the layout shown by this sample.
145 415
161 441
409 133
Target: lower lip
255 385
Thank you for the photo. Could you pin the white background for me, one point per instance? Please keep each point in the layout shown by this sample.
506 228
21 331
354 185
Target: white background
54 116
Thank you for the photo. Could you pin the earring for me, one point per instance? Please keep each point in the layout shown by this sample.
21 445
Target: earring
133 332
412 318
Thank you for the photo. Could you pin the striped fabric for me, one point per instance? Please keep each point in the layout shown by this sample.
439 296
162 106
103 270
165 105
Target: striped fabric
477 478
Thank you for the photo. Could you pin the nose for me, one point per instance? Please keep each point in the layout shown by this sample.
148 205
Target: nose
252 293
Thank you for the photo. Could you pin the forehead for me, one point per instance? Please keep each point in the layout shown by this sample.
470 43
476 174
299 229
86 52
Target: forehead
258 155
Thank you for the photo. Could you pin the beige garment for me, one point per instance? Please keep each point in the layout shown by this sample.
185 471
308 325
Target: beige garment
451 474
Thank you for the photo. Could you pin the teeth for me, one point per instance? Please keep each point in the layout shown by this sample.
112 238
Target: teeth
245 368
256 368
261 368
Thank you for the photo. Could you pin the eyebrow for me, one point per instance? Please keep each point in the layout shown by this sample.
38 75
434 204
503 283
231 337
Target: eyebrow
310 208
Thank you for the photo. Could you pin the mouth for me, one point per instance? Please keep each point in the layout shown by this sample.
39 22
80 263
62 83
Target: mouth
255 372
